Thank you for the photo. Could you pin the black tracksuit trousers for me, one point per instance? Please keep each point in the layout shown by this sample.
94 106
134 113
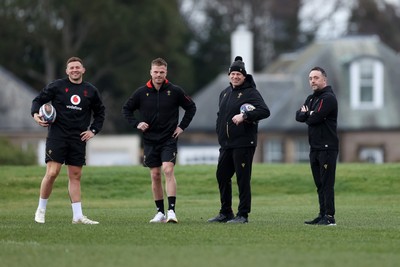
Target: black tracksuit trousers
239 161
323 168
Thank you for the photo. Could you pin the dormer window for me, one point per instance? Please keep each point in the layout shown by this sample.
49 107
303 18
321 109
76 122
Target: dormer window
366 84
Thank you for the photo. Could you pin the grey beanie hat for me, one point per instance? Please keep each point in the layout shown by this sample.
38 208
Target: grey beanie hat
238 65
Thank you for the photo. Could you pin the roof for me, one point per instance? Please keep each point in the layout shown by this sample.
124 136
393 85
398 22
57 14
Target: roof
15 104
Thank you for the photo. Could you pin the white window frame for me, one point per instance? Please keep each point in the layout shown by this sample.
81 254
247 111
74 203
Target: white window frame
377 82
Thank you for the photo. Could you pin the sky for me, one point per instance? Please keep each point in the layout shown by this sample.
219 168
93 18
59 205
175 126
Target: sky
312 10
336 25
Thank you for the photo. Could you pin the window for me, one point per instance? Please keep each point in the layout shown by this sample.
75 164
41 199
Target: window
273 151
371 154
302 151
366 84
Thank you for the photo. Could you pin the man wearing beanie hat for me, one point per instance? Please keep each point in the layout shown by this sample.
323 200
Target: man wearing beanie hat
237 136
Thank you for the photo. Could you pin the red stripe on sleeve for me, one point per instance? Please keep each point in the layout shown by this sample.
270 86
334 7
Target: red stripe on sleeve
320 105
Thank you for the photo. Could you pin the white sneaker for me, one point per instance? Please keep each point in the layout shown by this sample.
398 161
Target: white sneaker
159 218
40 215
172 217
84 220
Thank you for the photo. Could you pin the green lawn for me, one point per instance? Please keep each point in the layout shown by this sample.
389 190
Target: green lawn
367 231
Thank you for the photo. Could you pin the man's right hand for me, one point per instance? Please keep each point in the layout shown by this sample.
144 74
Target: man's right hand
142 126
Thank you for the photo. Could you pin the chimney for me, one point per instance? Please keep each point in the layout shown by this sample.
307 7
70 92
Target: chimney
242 45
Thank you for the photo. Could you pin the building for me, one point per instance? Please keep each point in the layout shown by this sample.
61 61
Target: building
363 71
16 123
365 76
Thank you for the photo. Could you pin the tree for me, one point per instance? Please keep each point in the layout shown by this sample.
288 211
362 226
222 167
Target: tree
274 24
376 18
116 39
285 19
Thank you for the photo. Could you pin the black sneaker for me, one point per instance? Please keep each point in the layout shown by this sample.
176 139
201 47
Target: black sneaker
238 219
221 218
327 220
314 221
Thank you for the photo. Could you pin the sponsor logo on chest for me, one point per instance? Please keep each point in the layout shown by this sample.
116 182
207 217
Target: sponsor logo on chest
75 100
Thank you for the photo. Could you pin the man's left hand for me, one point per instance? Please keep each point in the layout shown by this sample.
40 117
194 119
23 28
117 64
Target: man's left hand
177 132
86 135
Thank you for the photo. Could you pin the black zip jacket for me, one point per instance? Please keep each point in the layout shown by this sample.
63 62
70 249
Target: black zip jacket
74 104
231 135
160 110
322 123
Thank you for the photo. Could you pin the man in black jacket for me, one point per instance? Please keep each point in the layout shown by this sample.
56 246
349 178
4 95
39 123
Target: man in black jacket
158 104
237 136
319 112
80 116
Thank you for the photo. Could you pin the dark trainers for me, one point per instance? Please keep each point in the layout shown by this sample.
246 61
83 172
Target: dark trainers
239 219
327 220
314 221
221 218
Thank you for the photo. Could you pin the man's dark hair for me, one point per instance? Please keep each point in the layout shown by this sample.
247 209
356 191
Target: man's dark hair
320 70
73 59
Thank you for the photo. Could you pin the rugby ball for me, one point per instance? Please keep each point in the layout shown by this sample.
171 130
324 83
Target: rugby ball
246 107
48 113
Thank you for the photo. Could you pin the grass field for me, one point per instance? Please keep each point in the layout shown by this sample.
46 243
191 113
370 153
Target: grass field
367 231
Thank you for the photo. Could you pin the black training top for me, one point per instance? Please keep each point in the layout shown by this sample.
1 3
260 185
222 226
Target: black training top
75 104
322 123
160 110
231 99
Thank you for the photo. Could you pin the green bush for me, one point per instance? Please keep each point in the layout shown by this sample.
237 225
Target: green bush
13 155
